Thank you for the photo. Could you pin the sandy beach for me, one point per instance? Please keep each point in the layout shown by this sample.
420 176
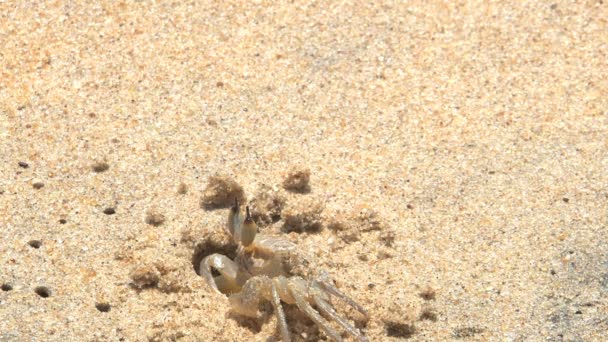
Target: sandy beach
445 162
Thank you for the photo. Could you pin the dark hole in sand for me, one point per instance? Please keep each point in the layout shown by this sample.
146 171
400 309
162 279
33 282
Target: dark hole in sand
209 247
43 291
35 243
103 307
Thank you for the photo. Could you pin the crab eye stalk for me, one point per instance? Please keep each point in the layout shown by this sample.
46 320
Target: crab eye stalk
234 220
249 229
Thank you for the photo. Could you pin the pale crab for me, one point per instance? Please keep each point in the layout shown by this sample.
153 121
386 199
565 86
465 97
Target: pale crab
271 269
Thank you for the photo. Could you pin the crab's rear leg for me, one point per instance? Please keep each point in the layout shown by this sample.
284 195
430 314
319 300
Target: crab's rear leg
325 283
328 310
282 322
297 290
227 281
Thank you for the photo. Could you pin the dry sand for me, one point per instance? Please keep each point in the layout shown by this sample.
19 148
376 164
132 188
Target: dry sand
458 163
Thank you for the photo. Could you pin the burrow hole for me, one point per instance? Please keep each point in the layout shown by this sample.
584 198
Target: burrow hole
100 167
208 247
103 307
43 291
35 243
109 211
6 287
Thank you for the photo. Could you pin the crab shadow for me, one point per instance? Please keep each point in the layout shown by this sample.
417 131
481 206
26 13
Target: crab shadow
300 326
252 324
302 191
213 206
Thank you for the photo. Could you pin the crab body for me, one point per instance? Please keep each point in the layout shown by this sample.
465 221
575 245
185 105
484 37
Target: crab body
271 269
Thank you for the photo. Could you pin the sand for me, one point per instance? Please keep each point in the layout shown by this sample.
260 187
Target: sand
445 163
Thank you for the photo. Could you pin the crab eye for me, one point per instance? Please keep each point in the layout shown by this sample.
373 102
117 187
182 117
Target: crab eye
248 230
234 220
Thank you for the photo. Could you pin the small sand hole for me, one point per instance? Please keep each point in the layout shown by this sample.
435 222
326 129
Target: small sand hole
23 164
37 184
63 221
109 211
100 167
6 287
35 243
43 291
103 307
209 247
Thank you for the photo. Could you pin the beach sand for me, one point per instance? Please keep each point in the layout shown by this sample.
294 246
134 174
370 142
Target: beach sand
457 158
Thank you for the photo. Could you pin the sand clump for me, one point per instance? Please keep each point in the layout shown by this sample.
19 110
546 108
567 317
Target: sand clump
154 217
428 293
221 191
350 226
145 276
298 179
167 275
303 216
267 205
428 314
182 188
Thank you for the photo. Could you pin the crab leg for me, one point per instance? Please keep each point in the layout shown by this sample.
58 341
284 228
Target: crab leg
227 268
276 302
325 308
326 284
296 290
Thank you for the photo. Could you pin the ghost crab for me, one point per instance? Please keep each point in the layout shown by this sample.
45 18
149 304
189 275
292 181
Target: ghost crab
271 269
